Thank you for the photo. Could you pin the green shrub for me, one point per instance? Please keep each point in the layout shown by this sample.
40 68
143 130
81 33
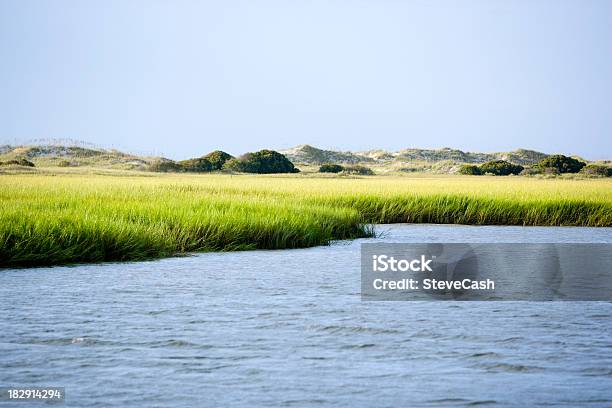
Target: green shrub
232 164
361 170
330 168
597 170
165 165
261 162
500 168
470 170
409 169
561 163
199 165
218 158
18 162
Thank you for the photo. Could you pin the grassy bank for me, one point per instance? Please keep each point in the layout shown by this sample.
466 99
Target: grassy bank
48 219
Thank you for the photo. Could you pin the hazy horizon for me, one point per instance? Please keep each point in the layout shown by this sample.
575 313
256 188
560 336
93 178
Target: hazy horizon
183 78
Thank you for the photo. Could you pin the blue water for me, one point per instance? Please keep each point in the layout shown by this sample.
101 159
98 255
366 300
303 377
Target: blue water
288 328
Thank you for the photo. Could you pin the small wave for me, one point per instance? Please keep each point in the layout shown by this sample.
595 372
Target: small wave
511 340
597 372
354 329
359 346
448 402
484 354
206 370
157 312
177 343
512 368
483 402
302 402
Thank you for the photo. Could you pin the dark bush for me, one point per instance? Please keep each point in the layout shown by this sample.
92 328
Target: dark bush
165 165
261 162
561 163
232 164
500 168
470 170
199 165
18 162
217 159
597 170
361 170
330 168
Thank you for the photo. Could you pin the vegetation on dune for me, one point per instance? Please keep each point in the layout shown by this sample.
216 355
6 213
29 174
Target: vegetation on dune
309 158
211 162
218 158
560 164
165 165
17 162
354 170
58 219
494 167
500 168
470 170
519 156
330 168
73 156
305 154
359 170
261 162
198 165
597 170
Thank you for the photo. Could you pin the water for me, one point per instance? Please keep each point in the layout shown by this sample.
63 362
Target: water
288 328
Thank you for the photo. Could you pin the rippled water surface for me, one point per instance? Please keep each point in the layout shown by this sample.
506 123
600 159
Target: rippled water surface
288 328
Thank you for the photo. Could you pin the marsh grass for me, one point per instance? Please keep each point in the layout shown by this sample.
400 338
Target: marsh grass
48 219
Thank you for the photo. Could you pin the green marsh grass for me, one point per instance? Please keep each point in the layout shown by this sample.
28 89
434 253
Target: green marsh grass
48 219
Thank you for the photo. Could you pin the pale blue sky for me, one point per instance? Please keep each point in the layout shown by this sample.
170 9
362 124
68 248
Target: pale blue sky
185 77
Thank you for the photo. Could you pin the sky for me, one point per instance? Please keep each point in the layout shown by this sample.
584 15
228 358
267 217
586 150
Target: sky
181 78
